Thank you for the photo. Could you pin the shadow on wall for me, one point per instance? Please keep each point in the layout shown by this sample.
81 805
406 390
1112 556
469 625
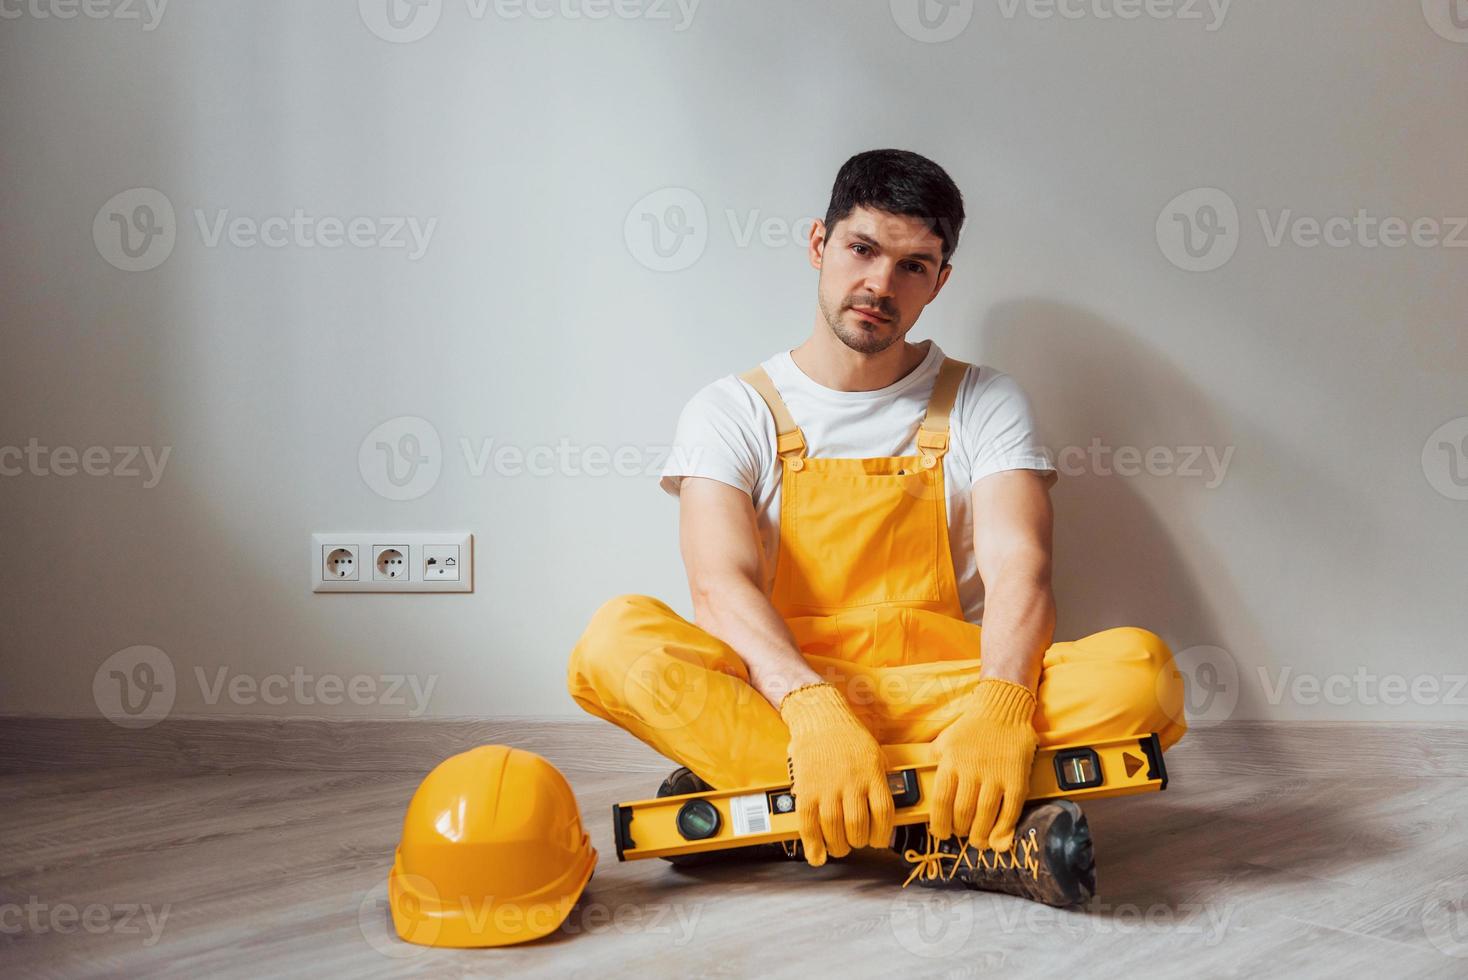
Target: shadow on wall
1117 563
1121 541
1148 550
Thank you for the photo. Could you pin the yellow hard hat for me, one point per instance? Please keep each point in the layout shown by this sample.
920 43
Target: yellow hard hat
492 852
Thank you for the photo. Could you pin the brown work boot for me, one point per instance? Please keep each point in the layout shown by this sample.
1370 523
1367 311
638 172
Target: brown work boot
1051 860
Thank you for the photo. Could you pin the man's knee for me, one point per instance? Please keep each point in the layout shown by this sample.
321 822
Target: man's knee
1148 687
616 616
615 634
605 640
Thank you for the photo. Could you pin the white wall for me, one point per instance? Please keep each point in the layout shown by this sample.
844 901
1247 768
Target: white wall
1326 548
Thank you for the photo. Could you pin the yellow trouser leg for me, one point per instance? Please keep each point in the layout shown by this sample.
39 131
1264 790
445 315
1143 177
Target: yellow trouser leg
686 693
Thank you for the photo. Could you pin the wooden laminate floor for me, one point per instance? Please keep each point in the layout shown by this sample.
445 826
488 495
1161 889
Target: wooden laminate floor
130 873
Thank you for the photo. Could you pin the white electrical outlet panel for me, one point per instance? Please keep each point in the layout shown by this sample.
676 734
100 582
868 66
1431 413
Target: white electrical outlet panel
392 561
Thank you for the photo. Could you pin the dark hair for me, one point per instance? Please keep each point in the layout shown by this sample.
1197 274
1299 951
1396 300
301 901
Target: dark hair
899 182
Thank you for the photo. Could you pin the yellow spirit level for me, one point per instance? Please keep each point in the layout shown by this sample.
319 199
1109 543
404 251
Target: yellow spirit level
718 819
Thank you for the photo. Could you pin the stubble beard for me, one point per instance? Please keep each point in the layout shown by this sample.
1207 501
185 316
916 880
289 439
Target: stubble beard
863 340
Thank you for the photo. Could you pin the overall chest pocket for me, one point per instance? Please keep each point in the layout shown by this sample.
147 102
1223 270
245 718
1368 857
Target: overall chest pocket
857 539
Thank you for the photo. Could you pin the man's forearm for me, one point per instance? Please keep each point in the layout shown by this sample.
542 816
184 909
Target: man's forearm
735 610
1019 624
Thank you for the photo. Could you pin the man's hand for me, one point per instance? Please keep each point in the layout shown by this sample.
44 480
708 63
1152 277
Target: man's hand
838 774
984 757
983 771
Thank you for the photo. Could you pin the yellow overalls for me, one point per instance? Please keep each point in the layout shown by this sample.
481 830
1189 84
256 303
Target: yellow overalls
865 580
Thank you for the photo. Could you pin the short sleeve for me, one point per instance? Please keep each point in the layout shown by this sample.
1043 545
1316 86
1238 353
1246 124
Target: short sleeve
997 427
717 437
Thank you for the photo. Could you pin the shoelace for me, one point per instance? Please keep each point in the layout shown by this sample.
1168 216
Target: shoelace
929 864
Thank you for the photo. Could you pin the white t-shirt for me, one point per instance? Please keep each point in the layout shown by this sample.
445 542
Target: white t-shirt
726 432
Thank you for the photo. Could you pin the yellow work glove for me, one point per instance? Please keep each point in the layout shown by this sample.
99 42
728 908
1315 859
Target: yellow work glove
983 766
838 773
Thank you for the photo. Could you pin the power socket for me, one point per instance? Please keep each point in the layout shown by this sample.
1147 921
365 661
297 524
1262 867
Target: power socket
339 563
392 561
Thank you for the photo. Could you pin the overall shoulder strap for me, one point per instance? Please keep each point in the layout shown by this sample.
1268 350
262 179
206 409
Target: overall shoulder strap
932 437
789 440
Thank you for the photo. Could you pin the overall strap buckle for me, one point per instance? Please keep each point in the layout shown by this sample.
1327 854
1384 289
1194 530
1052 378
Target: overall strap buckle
927 439
932 437
790 443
